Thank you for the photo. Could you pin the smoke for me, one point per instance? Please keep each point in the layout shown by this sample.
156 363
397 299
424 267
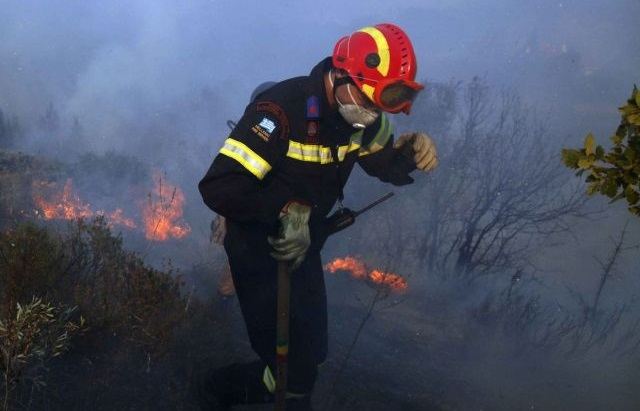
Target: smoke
166 75
157 80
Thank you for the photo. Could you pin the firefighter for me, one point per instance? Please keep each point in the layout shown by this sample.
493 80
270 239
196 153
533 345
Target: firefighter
277 177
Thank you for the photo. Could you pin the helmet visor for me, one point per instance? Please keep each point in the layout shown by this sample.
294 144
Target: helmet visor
398 96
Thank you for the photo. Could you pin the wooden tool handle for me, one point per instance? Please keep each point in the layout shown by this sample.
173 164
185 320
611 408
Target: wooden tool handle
282 341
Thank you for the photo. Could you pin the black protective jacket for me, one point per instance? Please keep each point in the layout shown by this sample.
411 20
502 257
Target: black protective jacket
283 148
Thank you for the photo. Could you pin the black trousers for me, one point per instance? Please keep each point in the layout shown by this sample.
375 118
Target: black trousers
255 274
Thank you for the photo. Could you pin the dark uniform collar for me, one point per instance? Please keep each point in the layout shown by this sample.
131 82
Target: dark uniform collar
330 116
317 88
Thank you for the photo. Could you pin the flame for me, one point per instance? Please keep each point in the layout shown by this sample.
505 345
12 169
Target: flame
66 205
393 281
351 264
163 212
117 217
358 270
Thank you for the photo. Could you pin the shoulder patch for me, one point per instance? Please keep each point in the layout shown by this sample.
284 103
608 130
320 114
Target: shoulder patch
278 113
267 125
264 128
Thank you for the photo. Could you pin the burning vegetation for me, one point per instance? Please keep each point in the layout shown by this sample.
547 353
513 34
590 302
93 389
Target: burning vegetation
161 213
67 205
360 271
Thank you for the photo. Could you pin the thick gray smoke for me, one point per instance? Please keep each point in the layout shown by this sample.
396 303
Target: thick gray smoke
166 74
157 81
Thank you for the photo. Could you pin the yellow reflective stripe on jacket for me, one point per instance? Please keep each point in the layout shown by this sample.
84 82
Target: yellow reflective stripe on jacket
380 139
245 156
315 153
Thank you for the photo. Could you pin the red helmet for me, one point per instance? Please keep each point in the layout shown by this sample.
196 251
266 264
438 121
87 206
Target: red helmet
381 62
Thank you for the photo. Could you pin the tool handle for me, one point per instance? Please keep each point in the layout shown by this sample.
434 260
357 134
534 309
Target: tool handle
282 342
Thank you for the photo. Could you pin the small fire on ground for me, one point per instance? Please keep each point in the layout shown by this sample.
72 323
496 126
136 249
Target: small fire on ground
358 270
66 205
161 212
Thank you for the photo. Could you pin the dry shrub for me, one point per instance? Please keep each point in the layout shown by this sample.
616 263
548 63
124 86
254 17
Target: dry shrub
84 265
18 171
117 291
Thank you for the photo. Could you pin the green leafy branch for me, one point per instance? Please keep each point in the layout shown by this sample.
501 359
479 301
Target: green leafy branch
614 173
37 331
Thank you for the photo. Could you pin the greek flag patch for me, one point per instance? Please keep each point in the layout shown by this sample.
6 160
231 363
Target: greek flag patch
268 125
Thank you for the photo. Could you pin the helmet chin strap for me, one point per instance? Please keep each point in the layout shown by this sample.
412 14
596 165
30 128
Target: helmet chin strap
339 82
353 99
355 114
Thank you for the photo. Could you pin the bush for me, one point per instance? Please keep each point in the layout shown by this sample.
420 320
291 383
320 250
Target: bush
18 172
85 266
614 173
88 267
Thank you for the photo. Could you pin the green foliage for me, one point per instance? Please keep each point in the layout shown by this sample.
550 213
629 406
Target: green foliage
34 333
614 173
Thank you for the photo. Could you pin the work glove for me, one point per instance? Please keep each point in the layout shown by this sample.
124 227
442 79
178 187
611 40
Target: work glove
420 147
294 237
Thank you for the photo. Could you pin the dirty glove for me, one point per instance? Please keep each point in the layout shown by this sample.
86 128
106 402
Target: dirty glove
294 238
420 147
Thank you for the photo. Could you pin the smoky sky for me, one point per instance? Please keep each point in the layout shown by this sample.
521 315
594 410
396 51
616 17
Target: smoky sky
158 68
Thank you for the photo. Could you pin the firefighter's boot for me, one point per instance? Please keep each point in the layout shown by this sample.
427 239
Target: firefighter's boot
299 404
224 387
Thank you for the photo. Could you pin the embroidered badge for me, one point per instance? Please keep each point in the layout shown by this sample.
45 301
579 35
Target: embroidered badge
267 125
277 112
264 128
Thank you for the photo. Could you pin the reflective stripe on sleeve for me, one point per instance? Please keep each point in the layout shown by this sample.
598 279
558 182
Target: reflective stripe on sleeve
245 156
309 152
315 153
380 139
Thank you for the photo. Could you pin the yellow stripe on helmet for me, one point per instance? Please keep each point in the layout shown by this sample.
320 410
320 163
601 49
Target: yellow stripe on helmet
368 90
383 48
